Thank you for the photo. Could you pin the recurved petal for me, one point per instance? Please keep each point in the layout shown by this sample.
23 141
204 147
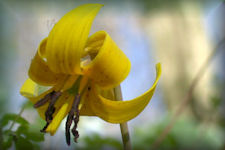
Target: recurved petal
121 111
39 70
85 105
68 37
109 66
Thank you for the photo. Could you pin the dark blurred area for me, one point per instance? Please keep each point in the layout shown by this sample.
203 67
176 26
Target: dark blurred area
179 34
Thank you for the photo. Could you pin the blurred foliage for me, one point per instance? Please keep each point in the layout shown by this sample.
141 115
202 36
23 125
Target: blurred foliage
157 5
23 137
95 141
186 134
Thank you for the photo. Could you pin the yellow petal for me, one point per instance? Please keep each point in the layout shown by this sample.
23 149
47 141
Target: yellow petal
39 70
69 82
110 65
29 89
86 109
121 111
109 94
60 114
83 84
68 37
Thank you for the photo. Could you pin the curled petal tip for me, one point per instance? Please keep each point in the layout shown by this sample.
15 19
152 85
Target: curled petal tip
121 111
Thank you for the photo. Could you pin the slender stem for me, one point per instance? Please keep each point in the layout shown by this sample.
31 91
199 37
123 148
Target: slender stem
14 121
123 126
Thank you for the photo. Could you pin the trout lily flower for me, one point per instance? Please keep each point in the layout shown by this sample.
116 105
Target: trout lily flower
81 72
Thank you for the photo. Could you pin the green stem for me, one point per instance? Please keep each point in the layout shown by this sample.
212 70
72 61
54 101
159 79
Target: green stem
14 121
123 126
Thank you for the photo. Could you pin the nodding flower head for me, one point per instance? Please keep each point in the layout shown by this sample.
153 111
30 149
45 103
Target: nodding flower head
82 72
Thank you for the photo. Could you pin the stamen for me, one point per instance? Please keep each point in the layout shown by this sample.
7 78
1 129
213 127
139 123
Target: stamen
51 108
68 124
52 97
44 100
74 130
45 127
70 119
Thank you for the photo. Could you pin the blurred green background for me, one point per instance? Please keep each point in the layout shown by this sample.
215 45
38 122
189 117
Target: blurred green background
180 34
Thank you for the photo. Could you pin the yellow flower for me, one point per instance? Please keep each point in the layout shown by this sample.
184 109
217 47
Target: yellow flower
82 71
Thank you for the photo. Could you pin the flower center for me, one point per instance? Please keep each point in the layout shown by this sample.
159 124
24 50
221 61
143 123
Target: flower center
73 115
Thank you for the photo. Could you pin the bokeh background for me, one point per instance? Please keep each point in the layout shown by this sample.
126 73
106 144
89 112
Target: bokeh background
180 34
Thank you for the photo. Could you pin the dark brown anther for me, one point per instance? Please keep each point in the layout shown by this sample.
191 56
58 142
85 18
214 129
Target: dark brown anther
48 114
51 98
45 127
74 130
51 108
70 119
75 134
42 101
89 88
